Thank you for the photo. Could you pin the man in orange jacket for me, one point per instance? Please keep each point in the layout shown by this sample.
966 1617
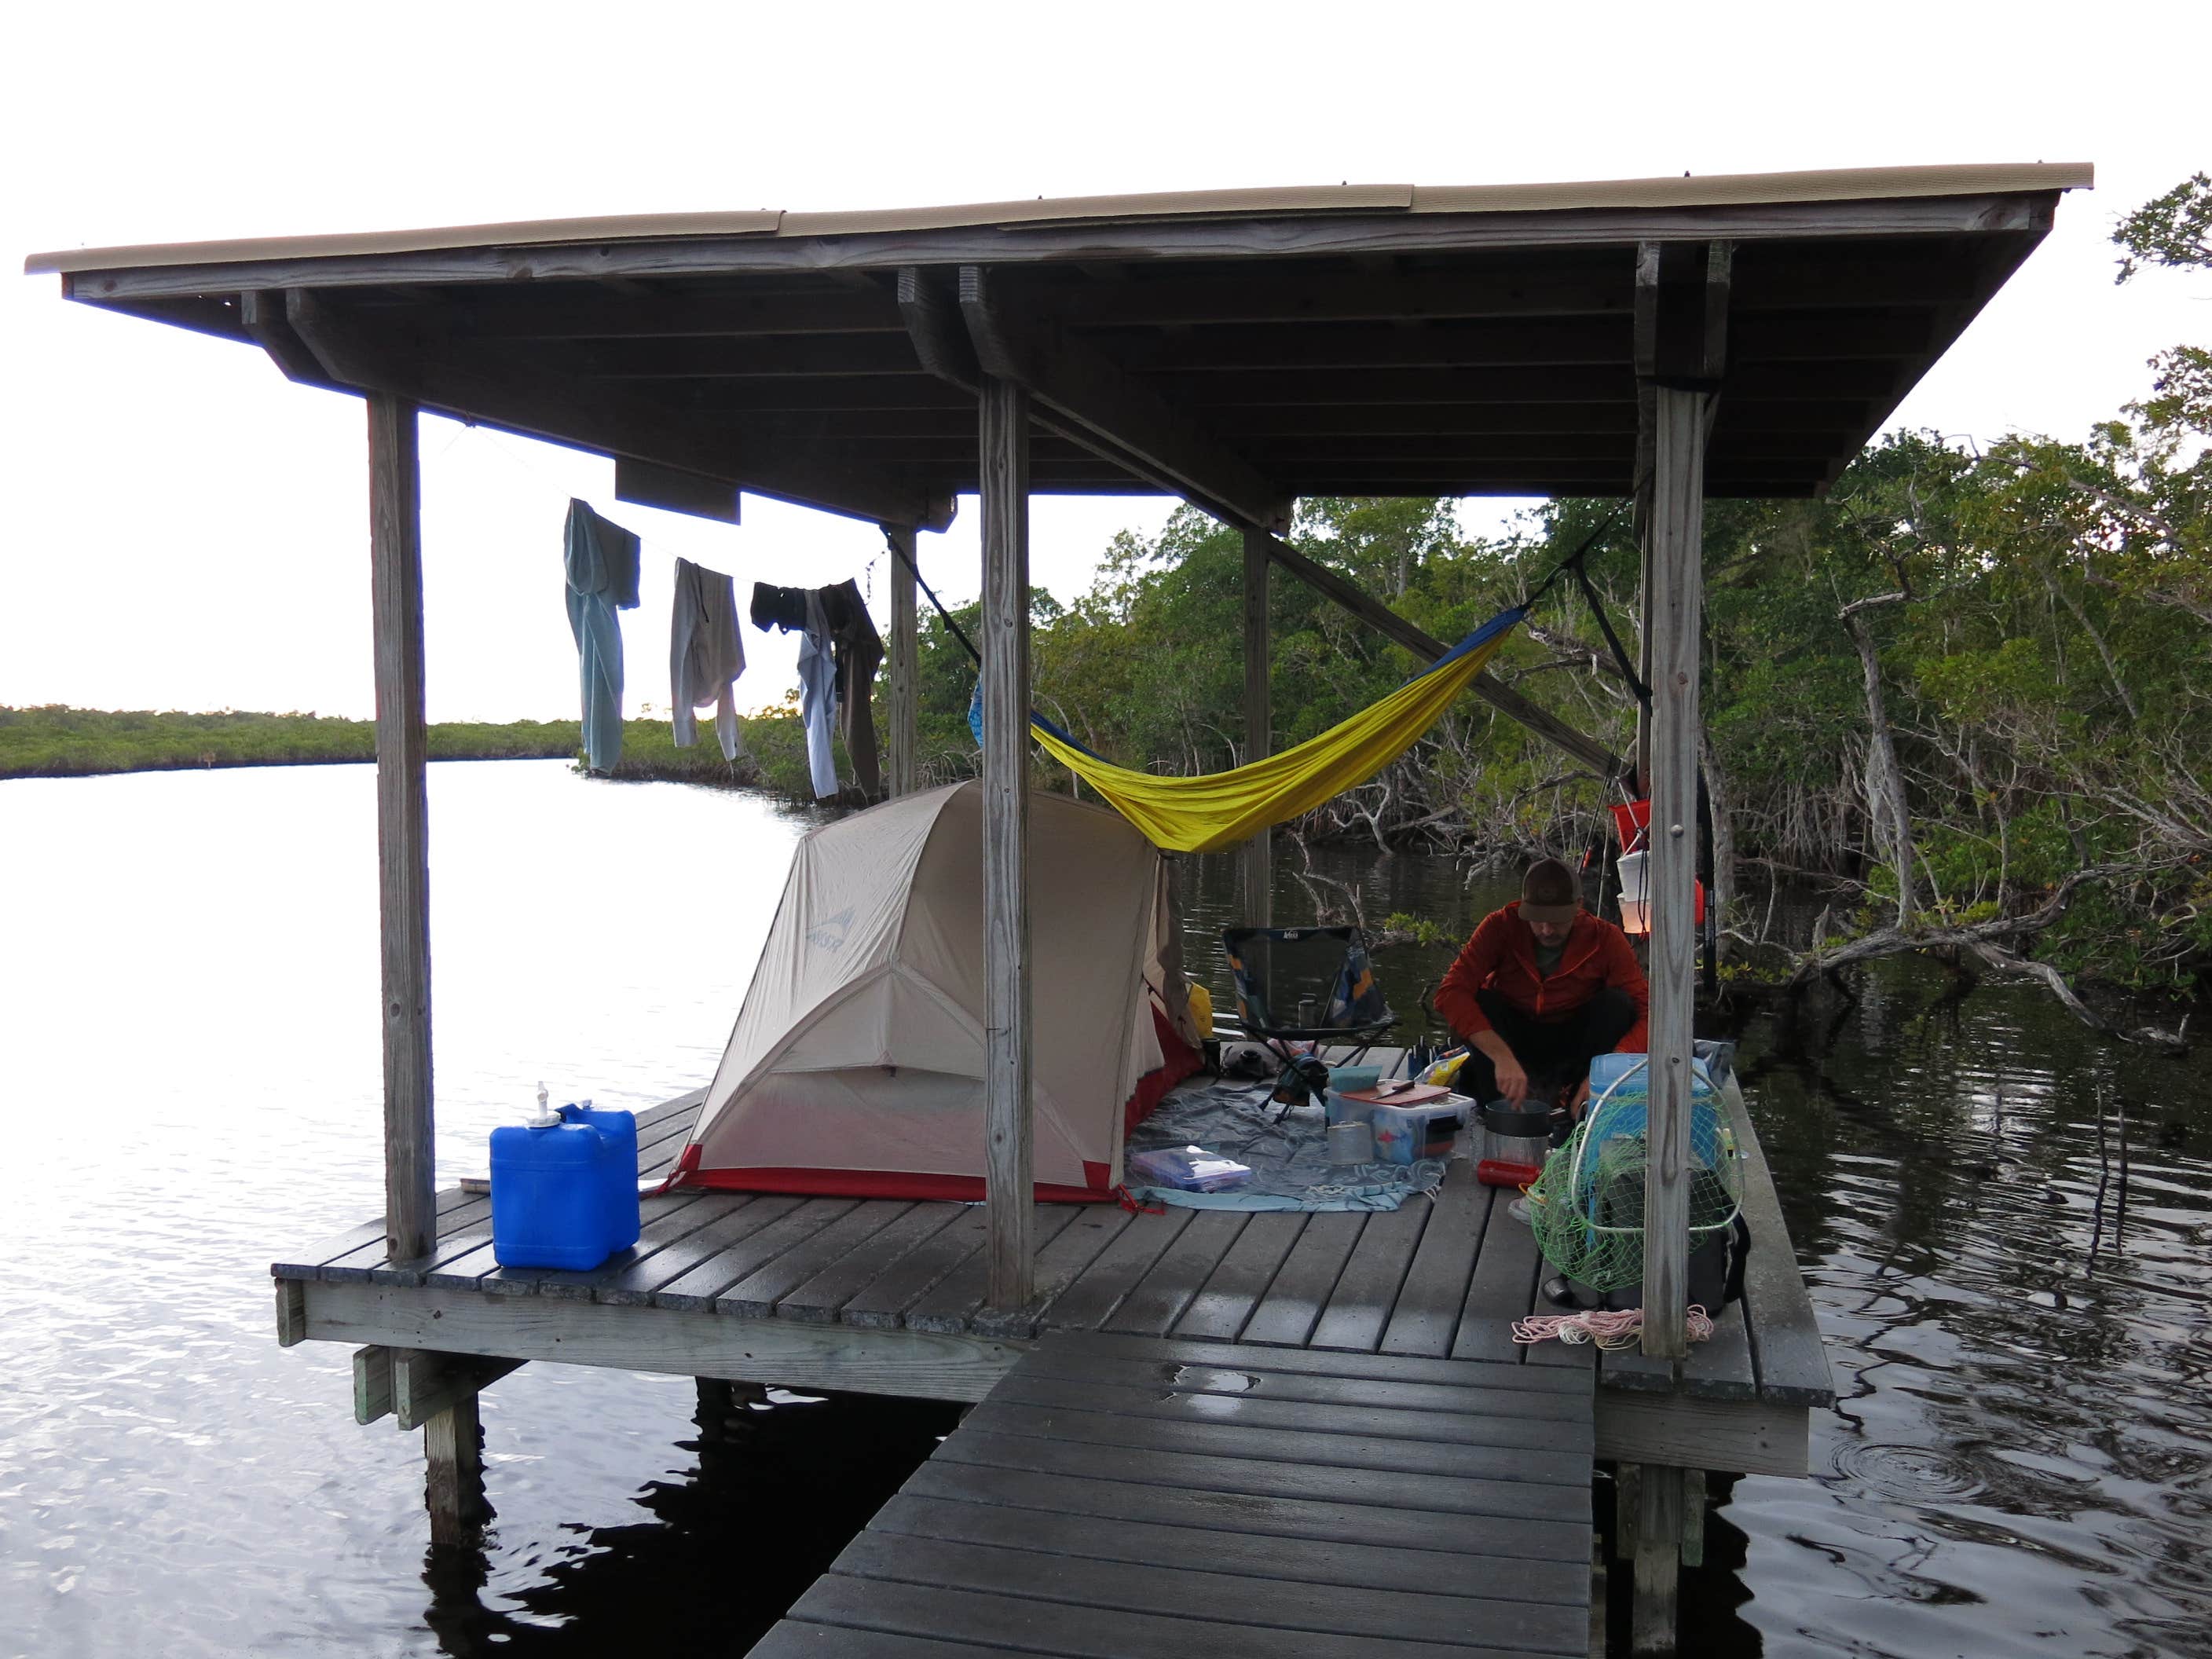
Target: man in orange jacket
1541 990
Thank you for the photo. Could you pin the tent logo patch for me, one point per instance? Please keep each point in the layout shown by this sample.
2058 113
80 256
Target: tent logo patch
830 935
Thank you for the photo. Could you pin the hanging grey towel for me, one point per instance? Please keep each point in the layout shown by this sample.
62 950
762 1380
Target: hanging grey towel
705 655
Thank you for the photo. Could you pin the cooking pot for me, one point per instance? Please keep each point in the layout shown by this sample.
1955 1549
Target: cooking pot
1514 1142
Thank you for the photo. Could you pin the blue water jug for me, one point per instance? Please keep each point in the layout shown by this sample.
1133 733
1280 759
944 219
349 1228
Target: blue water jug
564 1189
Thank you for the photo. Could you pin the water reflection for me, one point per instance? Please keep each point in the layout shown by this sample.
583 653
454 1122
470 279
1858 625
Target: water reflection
779 1487
2019 1462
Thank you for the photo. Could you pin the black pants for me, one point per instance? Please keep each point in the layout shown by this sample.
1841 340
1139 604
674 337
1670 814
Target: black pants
1555 1053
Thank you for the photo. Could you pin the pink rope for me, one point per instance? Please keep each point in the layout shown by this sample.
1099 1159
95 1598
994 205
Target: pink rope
1624 1329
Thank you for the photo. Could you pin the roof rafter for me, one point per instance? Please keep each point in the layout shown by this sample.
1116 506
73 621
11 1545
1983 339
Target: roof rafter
1117 415
505 392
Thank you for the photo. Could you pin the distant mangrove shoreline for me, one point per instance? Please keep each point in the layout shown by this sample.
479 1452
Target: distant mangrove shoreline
59 741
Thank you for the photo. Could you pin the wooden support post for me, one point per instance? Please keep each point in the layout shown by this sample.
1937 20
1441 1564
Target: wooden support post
372 1383
1673 628
291 1313
395 553
1658 1560
1627 1487
1598 1597
905 642
1259 723
1009 1191
426 1383
1693 1517
453 1488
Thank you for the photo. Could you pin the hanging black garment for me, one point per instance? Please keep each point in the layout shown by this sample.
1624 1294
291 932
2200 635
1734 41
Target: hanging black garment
857 651
779 607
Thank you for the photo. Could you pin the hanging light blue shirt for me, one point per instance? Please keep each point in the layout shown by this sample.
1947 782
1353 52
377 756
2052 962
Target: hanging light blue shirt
601 563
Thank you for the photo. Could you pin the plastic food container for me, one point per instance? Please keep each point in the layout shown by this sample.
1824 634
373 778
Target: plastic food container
1406 1134
564 1193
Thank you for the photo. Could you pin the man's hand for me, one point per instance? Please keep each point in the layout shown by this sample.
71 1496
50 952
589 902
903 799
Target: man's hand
1581 1099
1512 1078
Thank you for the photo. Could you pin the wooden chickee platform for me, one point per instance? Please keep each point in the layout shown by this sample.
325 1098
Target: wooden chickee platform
886 1296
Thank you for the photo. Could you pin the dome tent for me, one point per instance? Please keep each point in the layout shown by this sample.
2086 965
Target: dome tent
856 1064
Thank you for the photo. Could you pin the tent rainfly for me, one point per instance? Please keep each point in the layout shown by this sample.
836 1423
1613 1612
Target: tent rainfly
856 1066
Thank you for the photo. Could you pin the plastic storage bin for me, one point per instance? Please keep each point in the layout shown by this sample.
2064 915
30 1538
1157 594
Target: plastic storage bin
564 1193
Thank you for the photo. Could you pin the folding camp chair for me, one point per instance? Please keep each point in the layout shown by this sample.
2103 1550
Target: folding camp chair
1306 984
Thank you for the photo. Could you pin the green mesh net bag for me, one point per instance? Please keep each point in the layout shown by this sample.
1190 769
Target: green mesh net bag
1587 1207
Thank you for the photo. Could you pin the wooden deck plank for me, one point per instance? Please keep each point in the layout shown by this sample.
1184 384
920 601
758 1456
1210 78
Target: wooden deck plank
1500 1289
1236 1376
1543 1454
1791 1360
1479 1422
1296 1609
1261 1477
881 1303
1286 1314
1427 1313
821 1299
1100 1289
1225 1301
1059 1265
961 1293
662 1222
1721 1367
730 1216
1360 1308
1162 1295
695 1291
755 1296
714 1223
1391 1368
1516 1538
799 1638
307 1261
1019 1625
1220 1549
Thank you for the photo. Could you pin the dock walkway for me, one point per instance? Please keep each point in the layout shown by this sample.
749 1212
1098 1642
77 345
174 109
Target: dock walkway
1117 1496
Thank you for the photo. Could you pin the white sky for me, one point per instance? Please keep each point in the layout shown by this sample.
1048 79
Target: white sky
190 528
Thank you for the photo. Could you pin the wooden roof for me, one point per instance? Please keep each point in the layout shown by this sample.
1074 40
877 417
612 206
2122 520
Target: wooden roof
1240 348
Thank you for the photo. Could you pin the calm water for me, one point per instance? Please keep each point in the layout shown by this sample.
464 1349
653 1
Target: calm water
191 1069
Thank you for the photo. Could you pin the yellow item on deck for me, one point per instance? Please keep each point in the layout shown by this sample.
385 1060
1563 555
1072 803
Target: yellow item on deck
1220 809
1202 1008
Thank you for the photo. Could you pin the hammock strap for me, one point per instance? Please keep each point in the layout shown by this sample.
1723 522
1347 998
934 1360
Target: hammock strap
906 559
1605 627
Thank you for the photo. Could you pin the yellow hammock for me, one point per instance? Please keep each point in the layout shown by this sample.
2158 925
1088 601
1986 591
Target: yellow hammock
1220 809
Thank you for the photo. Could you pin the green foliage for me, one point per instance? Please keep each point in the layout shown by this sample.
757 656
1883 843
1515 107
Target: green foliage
1418 930
2174 229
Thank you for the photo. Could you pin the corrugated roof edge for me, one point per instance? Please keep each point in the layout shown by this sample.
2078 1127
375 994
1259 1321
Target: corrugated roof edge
1711 190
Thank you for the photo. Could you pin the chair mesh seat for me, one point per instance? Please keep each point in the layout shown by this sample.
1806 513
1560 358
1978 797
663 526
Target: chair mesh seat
1306 984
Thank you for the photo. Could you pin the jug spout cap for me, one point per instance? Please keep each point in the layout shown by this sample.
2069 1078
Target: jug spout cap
546 1117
